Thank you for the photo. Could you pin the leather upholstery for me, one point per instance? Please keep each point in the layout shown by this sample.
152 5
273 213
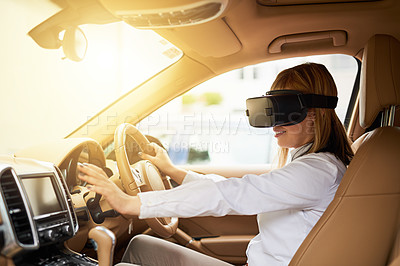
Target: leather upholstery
360 225
356 144
380 78
395 262
395 254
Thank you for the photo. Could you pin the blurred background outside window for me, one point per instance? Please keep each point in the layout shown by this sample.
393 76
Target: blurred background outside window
208 125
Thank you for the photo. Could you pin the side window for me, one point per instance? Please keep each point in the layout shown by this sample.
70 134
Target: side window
208 125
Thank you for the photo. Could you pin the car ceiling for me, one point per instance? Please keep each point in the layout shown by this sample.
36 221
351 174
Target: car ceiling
241 35
253 27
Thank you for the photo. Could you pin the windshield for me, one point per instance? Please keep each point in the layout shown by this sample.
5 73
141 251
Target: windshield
45 96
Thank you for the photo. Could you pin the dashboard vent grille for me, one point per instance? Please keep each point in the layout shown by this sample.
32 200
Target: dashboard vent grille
69 200
16 208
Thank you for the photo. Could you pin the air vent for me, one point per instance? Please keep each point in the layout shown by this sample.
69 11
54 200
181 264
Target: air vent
16 208
69 200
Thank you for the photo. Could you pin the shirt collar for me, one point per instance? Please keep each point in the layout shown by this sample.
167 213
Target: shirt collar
300 151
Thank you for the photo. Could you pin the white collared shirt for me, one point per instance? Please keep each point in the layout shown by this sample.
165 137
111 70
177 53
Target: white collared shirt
288 202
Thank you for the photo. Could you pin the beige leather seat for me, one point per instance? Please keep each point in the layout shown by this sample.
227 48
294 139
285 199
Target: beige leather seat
360 226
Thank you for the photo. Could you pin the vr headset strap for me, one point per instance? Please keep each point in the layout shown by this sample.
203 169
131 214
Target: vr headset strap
319 101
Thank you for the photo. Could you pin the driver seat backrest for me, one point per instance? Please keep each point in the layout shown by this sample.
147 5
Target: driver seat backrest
360 225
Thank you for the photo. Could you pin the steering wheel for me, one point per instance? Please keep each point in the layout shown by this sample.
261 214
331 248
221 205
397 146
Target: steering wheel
142 176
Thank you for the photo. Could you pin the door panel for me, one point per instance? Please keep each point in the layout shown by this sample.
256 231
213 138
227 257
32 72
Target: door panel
206 227
225 238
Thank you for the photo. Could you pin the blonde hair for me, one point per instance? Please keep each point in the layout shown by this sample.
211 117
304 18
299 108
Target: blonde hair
330 135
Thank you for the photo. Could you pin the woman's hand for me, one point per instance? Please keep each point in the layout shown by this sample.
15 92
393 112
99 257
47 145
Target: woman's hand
163 162
118 200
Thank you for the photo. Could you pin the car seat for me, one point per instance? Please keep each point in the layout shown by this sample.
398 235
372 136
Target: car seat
361 225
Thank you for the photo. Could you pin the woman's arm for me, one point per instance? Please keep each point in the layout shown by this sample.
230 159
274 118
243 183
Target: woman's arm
130 205
304 183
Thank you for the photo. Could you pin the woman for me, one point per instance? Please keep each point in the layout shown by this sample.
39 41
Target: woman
288 200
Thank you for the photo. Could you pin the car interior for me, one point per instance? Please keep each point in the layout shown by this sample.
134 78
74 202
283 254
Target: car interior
48 216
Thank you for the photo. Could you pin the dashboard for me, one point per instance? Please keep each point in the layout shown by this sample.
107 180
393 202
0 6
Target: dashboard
46 212
35 206
38 211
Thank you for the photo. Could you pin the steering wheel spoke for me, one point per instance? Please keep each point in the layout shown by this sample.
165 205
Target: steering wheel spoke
137 175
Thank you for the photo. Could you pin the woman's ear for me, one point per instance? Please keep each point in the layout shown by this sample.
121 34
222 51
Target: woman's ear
310 122
311 115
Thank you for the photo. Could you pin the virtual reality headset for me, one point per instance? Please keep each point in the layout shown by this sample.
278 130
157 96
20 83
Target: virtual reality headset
284 107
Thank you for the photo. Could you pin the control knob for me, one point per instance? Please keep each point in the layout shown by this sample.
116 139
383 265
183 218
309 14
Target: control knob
50 235
66 230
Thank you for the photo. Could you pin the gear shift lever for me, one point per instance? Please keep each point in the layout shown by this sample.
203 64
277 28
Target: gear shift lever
105 243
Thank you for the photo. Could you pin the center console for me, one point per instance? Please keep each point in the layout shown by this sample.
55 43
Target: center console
49 206
37 215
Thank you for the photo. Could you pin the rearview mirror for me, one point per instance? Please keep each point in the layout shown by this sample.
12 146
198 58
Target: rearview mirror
74 44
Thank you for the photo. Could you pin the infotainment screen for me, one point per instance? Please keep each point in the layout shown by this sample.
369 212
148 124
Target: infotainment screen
41 194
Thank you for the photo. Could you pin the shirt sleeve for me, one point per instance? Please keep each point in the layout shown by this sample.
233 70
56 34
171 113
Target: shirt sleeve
302 184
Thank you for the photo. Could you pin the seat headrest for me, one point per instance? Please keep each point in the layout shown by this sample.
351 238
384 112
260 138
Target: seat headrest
380 77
